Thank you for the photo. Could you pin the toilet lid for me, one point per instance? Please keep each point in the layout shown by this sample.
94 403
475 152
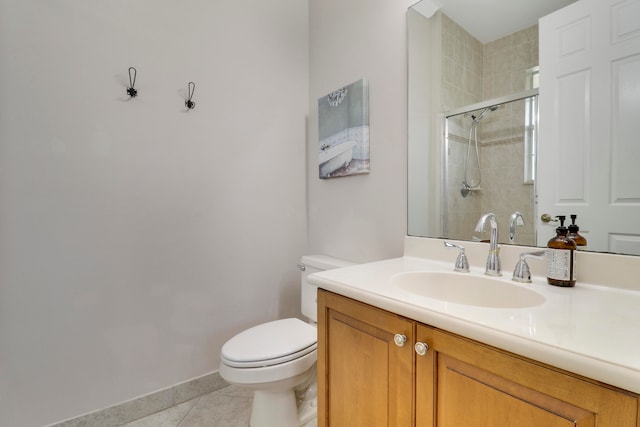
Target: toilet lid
270 344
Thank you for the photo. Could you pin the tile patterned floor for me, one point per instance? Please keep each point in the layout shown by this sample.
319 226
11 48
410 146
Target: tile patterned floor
227 407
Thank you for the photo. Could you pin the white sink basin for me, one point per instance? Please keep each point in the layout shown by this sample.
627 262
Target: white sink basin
461 288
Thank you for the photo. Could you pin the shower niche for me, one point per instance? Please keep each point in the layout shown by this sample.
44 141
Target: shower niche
489 166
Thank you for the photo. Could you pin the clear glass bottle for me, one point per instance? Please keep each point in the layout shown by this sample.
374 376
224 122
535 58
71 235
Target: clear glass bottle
561 258
574 234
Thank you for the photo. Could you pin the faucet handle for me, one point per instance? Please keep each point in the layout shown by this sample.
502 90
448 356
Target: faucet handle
462 263
521 272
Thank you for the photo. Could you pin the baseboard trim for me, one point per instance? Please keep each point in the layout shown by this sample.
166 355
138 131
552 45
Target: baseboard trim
131 410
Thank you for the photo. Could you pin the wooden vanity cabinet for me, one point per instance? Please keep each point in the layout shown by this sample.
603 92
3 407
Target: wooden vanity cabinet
478 385
365 379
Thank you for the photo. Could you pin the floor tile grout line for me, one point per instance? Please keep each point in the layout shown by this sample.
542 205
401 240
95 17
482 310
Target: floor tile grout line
189 411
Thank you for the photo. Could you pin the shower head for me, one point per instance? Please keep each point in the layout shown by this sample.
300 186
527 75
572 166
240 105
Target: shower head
476 119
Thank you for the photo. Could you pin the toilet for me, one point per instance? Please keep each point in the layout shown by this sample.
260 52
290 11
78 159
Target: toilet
277 360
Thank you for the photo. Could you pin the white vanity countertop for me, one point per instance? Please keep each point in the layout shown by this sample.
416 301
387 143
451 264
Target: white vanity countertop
590 330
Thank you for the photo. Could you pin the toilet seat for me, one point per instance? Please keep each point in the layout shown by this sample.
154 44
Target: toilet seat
270 344
269 362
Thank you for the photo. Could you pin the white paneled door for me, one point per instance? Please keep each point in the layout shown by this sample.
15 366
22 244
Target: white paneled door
589 140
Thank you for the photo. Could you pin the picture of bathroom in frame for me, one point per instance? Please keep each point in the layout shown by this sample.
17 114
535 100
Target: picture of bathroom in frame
343 120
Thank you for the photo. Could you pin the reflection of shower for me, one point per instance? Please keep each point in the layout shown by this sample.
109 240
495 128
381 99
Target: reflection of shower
467 186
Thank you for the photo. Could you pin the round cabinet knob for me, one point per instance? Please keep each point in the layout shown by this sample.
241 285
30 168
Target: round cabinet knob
399 339
421 348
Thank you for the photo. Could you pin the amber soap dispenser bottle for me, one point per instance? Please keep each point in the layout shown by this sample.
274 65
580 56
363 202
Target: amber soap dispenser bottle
574 233
561 258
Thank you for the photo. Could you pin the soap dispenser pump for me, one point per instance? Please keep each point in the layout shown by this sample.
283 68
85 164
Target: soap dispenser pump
574 234
561 258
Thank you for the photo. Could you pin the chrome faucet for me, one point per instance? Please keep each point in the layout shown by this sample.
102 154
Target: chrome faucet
493 259
516 220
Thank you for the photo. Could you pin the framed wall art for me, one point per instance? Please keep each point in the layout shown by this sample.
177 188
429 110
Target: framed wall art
343 119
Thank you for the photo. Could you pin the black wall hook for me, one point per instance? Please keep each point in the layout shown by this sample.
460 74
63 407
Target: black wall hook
191 88
132 82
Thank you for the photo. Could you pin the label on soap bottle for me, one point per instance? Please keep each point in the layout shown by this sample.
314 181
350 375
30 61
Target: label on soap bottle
560 264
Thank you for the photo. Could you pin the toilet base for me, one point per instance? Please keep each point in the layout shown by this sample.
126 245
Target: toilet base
274 409
276 403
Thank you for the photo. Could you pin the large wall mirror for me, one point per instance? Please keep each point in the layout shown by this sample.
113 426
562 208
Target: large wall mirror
473 122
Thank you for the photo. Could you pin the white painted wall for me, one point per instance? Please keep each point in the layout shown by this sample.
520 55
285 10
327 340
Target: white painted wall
136 237
361 217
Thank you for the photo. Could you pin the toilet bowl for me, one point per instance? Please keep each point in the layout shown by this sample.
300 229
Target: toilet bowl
277 360
273 359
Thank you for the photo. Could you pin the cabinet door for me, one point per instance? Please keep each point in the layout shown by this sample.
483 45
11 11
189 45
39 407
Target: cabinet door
425 378
364 378
482 386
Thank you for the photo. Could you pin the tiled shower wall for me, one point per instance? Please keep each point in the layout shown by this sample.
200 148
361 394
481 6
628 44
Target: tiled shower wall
462 66
472 72
462 74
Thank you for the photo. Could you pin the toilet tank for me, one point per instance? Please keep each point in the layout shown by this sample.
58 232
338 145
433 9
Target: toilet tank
313 264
